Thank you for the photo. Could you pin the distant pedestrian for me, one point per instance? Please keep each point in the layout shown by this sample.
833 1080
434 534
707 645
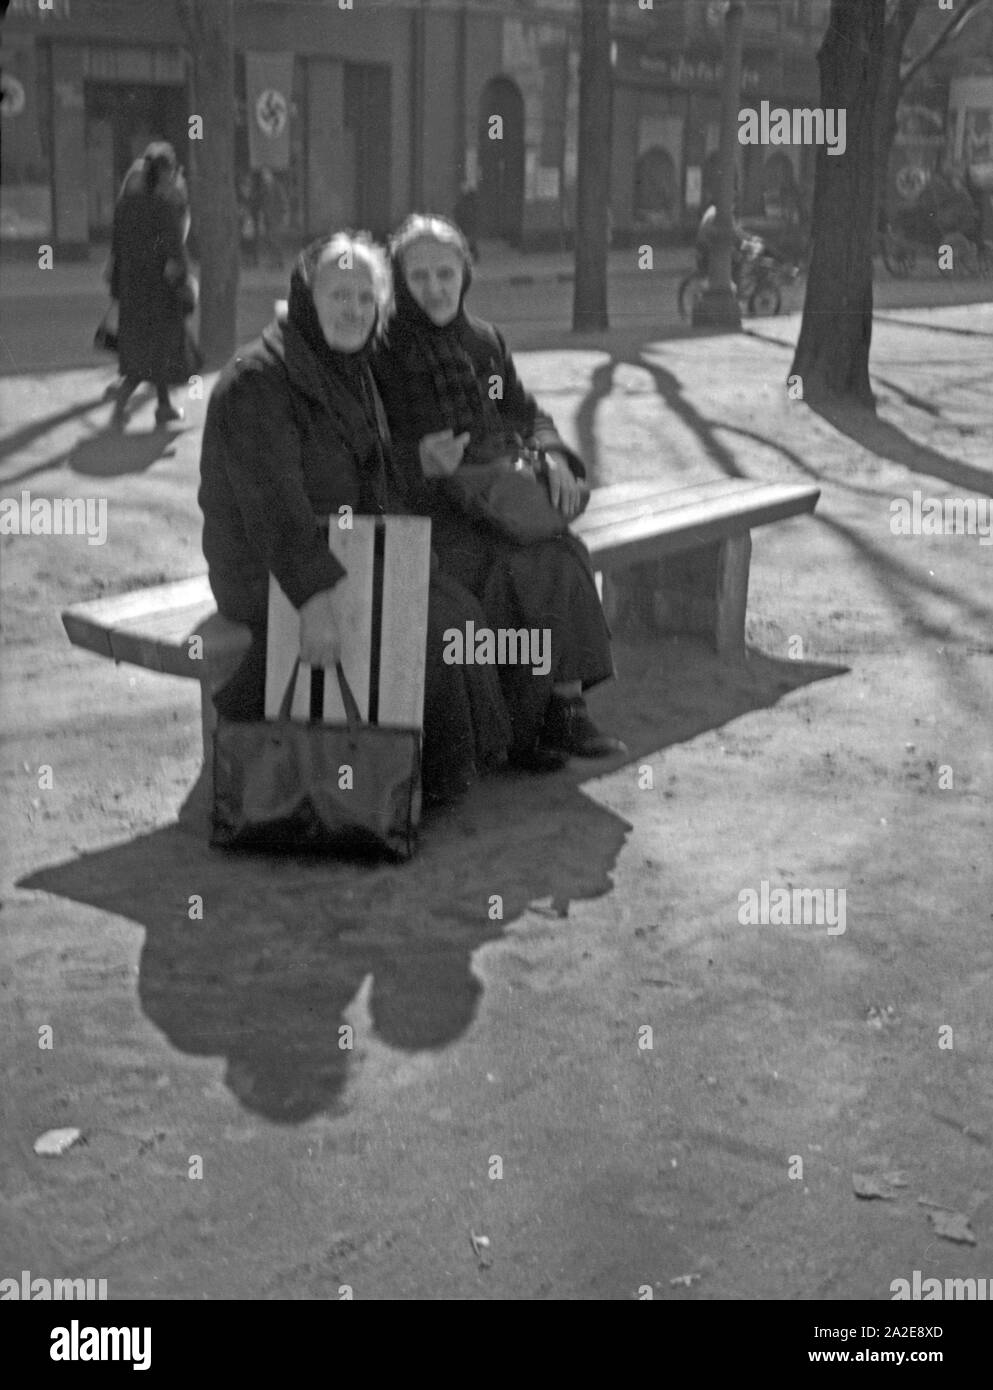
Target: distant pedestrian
272 213
707 237
246 218
466 216
150 280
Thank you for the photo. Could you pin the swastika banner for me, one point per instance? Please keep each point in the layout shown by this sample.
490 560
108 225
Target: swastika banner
268 90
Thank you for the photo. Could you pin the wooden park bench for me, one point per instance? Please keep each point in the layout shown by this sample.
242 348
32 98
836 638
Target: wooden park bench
677 558
674 557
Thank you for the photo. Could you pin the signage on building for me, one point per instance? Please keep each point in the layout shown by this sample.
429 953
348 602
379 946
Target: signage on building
700 72
693 70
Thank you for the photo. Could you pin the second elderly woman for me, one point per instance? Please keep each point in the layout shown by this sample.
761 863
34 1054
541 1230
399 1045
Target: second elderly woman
450 387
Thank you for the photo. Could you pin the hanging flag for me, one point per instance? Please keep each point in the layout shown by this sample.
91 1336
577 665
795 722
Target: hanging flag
268 90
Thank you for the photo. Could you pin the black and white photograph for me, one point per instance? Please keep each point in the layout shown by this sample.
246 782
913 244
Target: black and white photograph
496 667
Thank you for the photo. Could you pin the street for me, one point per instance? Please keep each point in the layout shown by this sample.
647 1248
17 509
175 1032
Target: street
74 299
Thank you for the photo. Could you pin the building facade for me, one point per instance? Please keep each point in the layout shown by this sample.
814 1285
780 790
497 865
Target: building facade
336 102
364 111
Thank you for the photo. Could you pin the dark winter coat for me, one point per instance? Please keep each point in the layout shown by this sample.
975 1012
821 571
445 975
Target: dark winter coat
408 391
283 446
148 276
548 586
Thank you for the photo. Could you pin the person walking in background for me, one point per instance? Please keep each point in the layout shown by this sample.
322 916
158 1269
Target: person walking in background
150 280
246 219
706 240
466 216
272 212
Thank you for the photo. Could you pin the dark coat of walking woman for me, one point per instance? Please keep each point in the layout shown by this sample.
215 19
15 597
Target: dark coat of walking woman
294 431
150 280
450 387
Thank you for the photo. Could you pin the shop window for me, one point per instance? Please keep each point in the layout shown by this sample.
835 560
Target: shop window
26 185
656 189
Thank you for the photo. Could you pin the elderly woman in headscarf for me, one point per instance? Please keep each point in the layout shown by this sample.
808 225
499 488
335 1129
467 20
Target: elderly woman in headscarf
295 430
450 387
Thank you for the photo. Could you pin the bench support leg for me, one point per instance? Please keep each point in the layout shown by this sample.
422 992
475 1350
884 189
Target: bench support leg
705 591
732 597
218 668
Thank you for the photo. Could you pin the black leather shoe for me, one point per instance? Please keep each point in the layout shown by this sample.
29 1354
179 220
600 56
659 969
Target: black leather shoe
569 729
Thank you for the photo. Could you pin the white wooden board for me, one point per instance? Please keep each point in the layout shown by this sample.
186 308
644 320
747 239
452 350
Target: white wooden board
406 576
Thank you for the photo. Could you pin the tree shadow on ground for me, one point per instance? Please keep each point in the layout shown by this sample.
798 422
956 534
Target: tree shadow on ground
670 390
284 946
889 442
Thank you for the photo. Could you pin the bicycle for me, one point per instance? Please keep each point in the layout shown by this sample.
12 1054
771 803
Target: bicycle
759 276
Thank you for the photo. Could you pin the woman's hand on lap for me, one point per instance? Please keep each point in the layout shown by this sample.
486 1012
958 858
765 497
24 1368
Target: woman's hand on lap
320 633
440 454
563 487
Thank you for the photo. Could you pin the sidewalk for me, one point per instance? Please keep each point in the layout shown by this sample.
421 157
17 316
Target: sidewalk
498 264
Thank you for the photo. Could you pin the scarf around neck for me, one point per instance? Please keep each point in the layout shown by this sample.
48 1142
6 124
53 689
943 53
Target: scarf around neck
345 383
444 391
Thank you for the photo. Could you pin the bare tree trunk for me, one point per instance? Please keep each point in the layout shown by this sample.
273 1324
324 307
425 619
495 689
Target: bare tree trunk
209 29
718 305
832 356
589 306
899 23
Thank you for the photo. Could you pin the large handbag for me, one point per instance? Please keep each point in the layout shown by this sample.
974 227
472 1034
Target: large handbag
284 784
508 492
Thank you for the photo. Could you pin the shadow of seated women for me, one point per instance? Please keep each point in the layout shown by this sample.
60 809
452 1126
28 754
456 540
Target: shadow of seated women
259 960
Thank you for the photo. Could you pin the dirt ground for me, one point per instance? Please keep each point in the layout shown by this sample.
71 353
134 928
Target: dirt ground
784 1059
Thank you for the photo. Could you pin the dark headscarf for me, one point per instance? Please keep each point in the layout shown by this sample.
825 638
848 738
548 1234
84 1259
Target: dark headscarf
444 392
344 378
159 158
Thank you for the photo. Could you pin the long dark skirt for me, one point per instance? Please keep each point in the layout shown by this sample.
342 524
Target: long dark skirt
466 728
548 586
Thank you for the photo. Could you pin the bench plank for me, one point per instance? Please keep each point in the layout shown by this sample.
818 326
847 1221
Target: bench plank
146 628
658 532
621 500
625 524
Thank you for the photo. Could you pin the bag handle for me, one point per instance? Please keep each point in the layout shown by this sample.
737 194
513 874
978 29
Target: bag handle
353 714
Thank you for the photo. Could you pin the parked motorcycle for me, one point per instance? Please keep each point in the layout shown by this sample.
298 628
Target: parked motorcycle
944 214
760 276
